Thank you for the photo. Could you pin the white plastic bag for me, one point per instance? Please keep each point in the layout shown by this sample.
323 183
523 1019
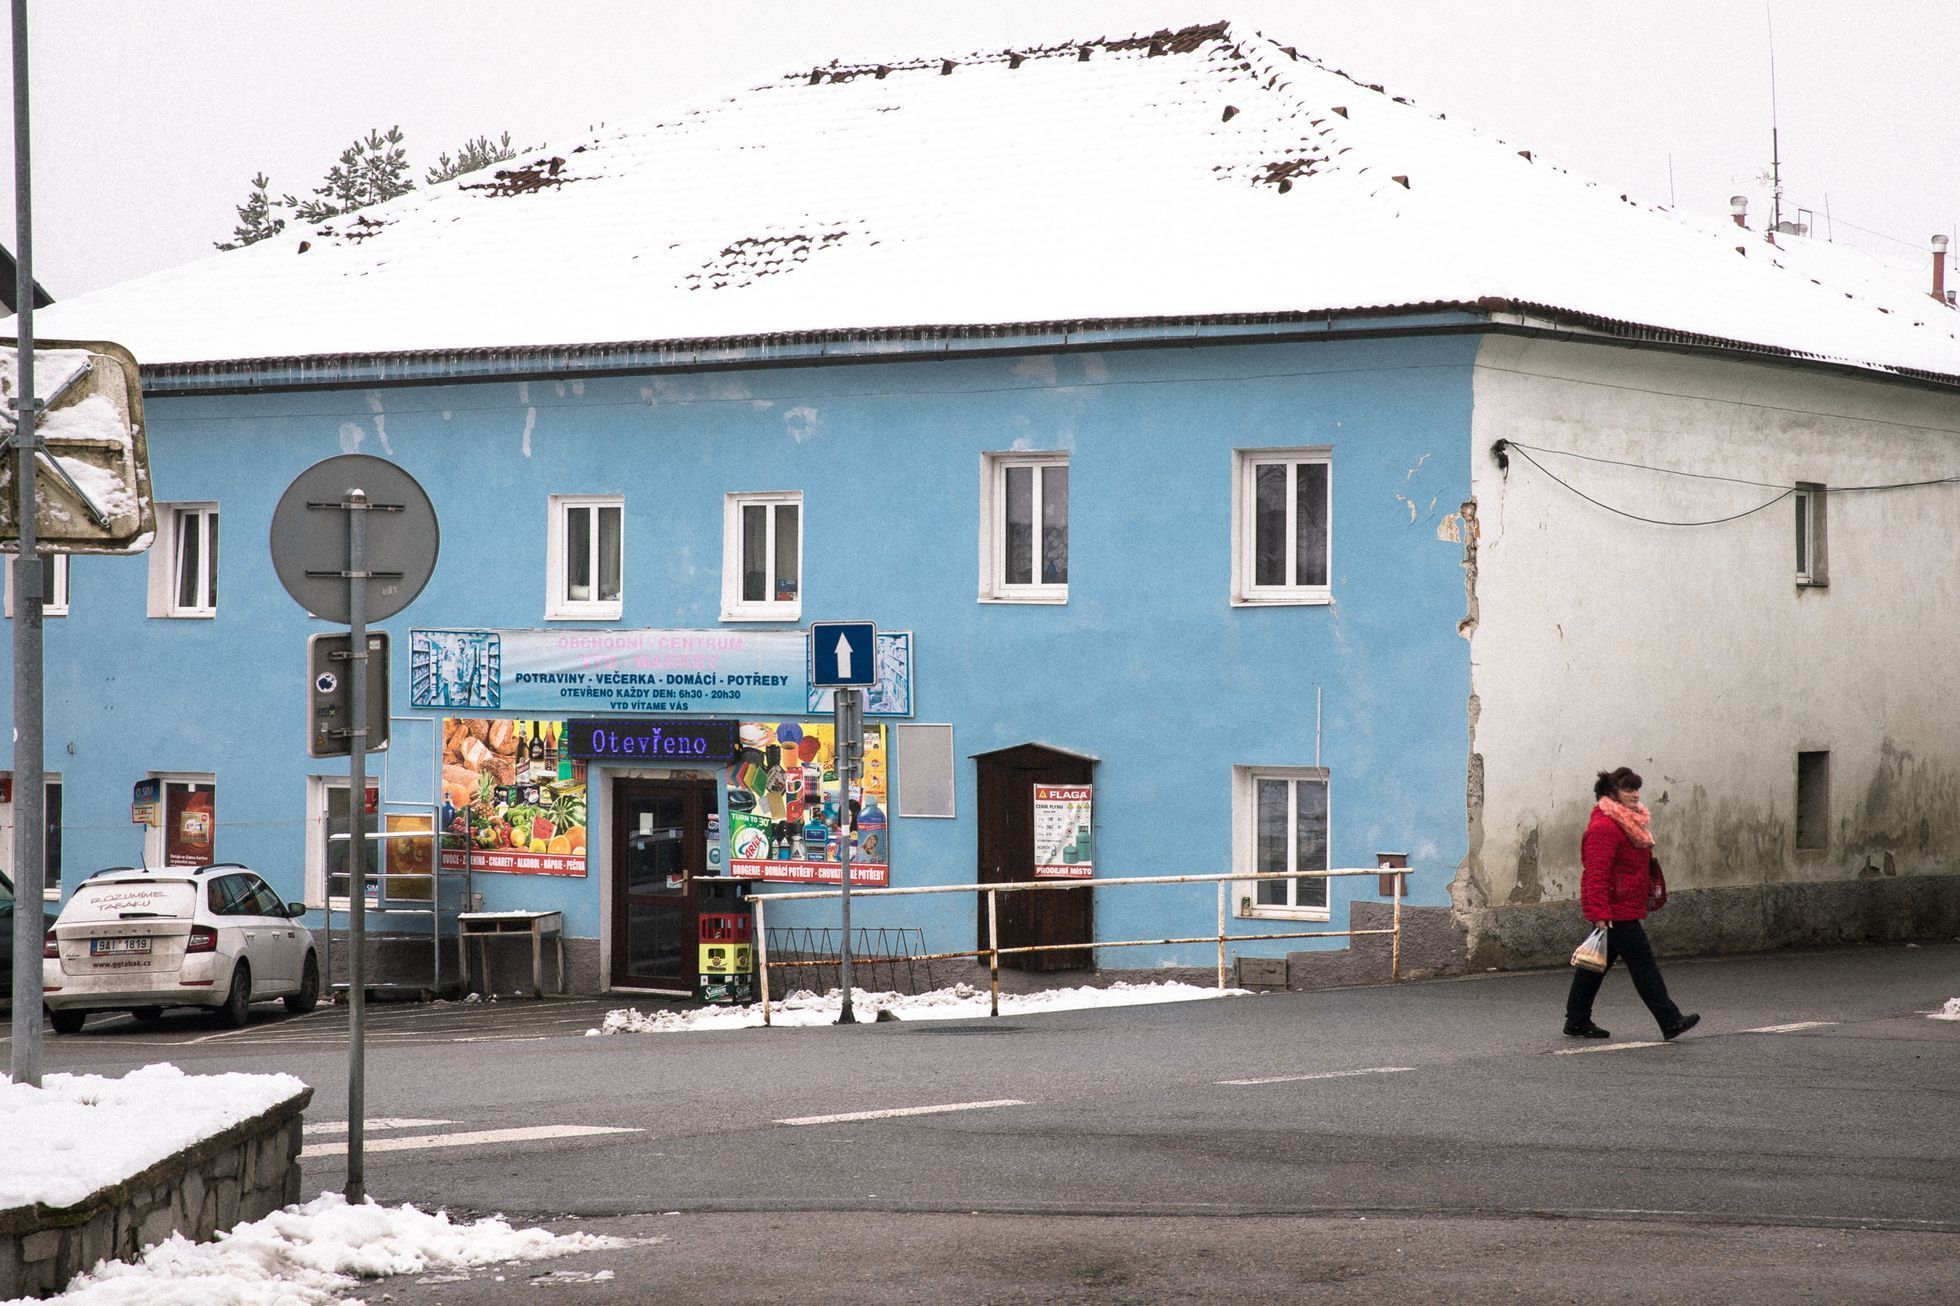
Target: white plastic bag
1591 955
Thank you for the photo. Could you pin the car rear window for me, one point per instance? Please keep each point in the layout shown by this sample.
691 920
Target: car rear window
127 899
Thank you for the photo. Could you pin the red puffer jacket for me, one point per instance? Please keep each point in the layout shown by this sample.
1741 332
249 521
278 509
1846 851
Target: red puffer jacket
1619 872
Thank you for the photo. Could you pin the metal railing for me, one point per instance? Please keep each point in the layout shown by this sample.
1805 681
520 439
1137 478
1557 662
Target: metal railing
994 952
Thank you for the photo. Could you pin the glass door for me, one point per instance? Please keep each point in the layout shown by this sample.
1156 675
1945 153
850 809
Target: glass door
659 830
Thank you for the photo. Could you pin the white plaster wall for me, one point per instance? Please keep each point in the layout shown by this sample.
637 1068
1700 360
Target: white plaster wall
1690 653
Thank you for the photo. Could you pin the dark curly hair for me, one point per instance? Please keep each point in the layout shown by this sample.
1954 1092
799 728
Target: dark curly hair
1611 782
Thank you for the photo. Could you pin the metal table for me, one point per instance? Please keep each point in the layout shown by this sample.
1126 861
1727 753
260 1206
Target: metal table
486 925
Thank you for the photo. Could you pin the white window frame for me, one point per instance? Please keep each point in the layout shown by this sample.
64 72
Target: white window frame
317 789
558 603
1812 554
54 603
164 562
994 586
733 606
1246 591
1245 830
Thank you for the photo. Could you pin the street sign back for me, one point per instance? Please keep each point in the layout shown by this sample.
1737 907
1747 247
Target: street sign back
309 537
843 654
93 474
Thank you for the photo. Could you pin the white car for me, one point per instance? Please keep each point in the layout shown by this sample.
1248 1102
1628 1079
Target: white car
141 939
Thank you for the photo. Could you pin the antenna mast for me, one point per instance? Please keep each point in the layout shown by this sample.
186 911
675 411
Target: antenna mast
1775 146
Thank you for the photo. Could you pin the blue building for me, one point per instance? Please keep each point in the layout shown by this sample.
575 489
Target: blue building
1150 397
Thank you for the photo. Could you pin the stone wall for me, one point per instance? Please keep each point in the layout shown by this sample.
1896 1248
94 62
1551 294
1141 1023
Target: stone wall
242 1174
1731 920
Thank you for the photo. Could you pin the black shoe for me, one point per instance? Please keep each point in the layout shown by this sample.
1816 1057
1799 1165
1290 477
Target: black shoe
1681 1026
1586 1029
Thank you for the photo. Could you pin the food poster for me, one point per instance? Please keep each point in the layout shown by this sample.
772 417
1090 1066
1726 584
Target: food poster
1064 838
513 799
783 817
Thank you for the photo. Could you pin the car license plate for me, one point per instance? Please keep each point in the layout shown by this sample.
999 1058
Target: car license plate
98 947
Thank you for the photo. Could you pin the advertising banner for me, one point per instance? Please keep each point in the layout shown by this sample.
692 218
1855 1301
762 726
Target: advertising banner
784 816
594 672
892 694
1064 846
513 798
190 829
410 862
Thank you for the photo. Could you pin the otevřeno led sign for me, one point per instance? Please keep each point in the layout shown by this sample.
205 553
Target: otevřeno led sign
738 673
653 741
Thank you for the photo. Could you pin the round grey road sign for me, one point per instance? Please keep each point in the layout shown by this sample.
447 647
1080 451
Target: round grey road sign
309 537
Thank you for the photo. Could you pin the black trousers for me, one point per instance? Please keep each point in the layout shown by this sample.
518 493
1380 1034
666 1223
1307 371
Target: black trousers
1624 940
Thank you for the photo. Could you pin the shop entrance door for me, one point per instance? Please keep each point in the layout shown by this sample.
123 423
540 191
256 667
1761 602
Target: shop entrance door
1006 854
660 844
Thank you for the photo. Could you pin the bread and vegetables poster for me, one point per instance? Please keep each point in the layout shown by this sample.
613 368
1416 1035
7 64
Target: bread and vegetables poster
513 798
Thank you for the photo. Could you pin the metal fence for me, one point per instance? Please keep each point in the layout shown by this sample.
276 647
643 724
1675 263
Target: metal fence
889 957
993 952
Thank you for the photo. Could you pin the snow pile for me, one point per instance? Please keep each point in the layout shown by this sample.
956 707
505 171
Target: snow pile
80 1133
1951 1011
314 1253
959 1002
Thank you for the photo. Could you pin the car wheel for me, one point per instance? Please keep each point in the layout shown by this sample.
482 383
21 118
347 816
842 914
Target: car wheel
147 1015
67 1022
308 996
238 1001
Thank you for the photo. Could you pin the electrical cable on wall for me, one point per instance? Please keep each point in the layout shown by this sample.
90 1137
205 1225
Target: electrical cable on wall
1503 447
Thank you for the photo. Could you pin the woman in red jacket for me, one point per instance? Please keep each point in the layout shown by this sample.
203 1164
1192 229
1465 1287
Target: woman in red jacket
1620 883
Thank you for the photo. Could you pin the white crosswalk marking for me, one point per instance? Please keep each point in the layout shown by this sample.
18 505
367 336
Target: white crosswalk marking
1791 1029
900 1111
1607 1047
476 1138
373 1126
1326 1074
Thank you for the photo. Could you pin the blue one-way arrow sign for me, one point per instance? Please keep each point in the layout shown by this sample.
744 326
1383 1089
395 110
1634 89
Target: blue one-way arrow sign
842 654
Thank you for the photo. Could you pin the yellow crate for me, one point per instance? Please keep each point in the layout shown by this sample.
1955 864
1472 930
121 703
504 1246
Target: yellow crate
727 958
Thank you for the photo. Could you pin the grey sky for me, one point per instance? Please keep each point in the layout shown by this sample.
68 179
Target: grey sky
150 116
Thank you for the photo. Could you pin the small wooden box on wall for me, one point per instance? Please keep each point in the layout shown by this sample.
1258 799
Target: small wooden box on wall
1392 867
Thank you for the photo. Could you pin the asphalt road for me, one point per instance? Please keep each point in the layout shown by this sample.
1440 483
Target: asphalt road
1431 1142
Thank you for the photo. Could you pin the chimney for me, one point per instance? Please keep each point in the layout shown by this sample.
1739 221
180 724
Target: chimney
1939 268
1739 209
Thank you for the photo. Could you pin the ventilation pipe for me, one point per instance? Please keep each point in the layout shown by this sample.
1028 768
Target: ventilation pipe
1739 209
1939 268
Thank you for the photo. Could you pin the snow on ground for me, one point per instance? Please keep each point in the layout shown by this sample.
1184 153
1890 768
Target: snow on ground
962 1001
312 1254
78 1133
1951 1011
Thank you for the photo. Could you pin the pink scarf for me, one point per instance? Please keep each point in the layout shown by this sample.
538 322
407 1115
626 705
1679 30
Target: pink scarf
1634 820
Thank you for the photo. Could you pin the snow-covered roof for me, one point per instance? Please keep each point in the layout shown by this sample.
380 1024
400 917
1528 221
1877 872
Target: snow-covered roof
1197 174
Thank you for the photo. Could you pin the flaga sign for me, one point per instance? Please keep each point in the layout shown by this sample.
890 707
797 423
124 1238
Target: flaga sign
1064 842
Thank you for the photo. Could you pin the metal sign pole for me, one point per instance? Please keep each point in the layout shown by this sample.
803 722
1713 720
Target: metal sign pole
30 831
356 504
846 765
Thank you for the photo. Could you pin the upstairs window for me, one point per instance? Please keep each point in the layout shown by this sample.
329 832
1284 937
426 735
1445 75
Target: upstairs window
1810 534
54 584
584 558
1024 528
762 557
184 561
1282 533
